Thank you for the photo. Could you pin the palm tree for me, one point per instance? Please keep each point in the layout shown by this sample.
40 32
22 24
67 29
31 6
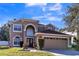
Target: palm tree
71 19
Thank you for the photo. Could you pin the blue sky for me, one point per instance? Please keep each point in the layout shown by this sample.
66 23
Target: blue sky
44 12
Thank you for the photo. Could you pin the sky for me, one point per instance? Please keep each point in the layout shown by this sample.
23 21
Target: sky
44 12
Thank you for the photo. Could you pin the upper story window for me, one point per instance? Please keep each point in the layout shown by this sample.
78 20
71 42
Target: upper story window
17 27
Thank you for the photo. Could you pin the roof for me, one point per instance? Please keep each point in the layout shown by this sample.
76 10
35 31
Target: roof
70 33
26 19
52 32
39 24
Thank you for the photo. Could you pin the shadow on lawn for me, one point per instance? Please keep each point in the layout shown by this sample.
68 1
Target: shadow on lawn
3 47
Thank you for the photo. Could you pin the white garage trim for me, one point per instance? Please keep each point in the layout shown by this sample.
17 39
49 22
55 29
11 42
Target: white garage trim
69 42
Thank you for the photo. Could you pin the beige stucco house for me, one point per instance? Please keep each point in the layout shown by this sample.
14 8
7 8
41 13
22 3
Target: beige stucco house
30 32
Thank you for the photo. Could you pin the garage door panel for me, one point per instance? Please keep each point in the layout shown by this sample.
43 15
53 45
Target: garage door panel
56 44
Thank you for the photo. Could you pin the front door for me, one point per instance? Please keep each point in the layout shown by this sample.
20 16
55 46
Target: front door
30 41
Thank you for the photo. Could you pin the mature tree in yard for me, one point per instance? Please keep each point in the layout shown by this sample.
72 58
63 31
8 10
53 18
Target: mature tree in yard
5 32
71 19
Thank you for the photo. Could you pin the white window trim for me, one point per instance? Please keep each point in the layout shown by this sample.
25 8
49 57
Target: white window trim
31 25
14 44
14 39
15 30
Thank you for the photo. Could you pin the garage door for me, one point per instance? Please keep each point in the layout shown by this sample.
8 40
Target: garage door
55 43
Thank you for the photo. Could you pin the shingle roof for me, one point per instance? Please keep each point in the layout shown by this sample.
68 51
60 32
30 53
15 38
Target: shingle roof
52 32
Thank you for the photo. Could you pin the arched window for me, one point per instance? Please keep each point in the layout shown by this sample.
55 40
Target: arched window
30 31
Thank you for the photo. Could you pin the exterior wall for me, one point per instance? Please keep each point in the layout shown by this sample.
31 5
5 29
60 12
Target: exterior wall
24 23
14 35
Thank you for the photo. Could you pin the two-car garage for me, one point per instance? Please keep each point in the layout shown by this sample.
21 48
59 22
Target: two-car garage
54 41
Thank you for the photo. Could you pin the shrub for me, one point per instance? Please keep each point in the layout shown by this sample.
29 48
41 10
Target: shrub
73 46
76 47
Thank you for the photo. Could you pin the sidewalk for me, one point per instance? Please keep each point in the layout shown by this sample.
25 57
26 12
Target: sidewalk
57 54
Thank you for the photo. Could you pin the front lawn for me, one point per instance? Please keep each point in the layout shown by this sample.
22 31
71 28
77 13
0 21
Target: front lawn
16 51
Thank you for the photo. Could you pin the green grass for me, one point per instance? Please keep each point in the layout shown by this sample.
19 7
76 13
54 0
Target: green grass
6 51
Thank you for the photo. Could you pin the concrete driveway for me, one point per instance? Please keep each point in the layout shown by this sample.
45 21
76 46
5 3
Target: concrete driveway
65 52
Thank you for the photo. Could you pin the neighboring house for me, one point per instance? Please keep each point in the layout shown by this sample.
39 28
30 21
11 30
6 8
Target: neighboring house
30 32
73 36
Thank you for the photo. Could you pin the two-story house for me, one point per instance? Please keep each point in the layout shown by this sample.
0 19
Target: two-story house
30 32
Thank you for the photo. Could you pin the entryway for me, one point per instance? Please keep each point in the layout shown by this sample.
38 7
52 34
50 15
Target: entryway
30 32
30 42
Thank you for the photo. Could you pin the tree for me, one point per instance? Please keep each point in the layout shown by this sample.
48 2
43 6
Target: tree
4 32
71 19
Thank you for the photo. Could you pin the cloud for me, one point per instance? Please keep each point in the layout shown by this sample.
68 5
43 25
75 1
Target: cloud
56 7
38 17
36 4
41 5
53 18
44 7
48 17
42 16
